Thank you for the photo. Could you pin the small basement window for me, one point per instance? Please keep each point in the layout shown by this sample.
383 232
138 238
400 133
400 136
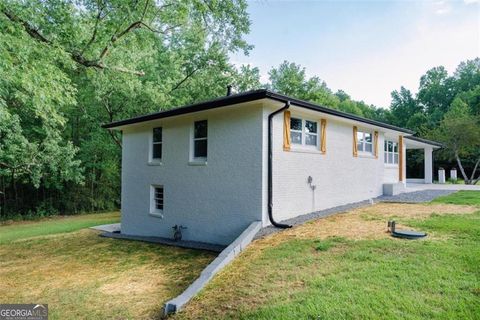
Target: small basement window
200 140
390 152
303 132
157 144
156 201
365 142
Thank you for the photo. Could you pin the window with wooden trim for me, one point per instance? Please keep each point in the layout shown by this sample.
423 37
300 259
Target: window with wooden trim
157 144
365 142
303 132
200 140
390 152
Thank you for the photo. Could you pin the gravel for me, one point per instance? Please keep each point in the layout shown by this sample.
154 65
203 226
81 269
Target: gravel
415 197
410 197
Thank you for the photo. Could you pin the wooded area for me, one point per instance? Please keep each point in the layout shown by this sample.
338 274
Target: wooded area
69 66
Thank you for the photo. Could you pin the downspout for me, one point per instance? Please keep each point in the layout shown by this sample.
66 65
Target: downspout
270 187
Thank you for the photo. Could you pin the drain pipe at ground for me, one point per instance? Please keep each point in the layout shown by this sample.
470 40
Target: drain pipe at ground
270 187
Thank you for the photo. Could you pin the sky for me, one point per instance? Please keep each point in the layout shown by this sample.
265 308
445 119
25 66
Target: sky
366 48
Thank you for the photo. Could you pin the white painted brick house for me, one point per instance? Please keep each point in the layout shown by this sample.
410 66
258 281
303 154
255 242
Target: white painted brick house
206 166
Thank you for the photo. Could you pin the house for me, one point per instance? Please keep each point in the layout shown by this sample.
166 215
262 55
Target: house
216 166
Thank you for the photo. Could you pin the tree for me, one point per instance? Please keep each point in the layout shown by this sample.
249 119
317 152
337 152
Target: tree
404 107
459 131
69 66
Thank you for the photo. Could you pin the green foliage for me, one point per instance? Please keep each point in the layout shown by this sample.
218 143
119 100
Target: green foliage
67 67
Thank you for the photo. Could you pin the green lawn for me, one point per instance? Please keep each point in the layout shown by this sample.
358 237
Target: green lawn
83 276
461 197
305 277
54 225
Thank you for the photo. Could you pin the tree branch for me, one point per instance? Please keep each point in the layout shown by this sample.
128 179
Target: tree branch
190 74
76 56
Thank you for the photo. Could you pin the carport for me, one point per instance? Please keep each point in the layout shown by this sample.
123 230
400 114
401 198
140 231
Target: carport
428 147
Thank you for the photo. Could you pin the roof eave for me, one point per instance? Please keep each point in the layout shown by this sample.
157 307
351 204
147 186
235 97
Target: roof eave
247 97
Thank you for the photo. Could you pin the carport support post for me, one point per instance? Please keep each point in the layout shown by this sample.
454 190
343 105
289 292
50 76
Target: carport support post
428 164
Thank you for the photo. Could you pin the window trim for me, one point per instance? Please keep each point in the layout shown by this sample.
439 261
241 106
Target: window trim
393 153
197 160
153 201
364 142
151 159
303 145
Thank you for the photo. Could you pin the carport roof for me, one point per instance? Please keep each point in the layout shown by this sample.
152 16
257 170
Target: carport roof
424 141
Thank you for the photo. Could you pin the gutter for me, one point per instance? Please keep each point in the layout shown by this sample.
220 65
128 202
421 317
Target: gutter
270 164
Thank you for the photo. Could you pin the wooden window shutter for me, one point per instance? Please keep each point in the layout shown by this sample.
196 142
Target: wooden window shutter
375 144
355 141
400 158
323 137
286 130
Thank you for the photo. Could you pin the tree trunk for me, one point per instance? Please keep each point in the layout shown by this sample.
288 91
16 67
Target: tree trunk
472 178
464 175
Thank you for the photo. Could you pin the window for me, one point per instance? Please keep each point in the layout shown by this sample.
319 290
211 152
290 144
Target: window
157 144
200 138
365 142
303 132
390 152
156 201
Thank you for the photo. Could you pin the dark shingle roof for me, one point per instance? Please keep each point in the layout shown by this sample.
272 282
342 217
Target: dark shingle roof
247 97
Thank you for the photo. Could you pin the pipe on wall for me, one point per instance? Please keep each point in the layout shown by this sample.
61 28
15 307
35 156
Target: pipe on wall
270 164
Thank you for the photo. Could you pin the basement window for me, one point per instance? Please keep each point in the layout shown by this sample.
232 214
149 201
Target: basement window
390 152
303 132
156 201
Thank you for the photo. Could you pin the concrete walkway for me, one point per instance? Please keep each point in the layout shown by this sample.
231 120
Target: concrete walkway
168 242
114 227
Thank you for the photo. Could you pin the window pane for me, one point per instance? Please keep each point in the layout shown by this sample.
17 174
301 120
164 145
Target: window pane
396 158
159 198
390 158
200 148
157 134
385 145
360 137
295 124
390 146
385 157
296 137
157 151
360 146
368 147
310 139
310 127
368 137
201 129
395 147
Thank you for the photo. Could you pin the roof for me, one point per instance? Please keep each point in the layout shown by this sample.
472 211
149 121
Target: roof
248 97
433 143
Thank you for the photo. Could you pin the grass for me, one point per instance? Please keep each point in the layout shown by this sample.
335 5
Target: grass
315 271
55 225
83 276
466 197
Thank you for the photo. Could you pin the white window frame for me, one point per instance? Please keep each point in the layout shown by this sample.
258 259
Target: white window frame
151 159
197 160
364 142
304 133
154 211
386 153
